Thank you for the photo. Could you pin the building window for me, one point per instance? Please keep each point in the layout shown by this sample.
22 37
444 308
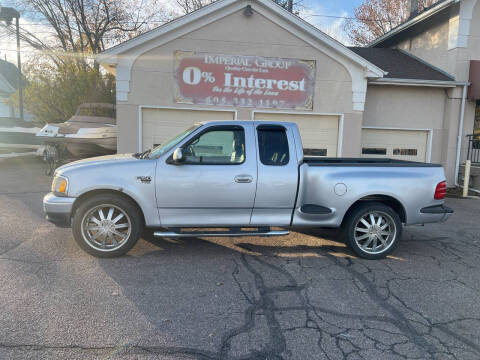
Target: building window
315 152
374 151
405 152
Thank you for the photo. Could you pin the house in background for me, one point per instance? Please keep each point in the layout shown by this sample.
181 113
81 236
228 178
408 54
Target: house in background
8 86
16 136
447 36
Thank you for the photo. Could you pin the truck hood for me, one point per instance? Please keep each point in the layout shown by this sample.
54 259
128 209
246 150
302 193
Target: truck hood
98 160
124 172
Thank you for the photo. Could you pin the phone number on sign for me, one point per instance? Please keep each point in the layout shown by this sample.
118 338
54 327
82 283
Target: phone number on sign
240 101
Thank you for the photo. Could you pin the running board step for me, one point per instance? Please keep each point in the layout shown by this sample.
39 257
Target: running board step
174 234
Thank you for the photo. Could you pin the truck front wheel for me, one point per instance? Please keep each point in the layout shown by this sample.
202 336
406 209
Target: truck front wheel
107 225
373 230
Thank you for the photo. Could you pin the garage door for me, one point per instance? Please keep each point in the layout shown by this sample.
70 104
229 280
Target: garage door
395 144
160 125
319 132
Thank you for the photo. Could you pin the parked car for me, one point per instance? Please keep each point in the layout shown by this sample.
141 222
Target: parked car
248 176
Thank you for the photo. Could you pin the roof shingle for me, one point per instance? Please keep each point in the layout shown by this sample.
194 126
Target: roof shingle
401 65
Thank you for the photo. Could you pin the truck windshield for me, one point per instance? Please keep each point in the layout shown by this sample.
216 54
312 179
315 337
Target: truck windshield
162 148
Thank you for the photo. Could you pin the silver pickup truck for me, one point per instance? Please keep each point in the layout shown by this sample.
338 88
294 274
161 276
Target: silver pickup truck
248 177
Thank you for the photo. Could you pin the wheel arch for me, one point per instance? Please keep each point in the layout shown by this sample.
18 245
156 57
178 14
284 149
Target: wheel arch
97 192
387 200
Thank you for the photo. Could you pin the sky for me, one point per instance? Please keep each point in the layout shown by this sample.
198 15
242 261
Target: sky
327 15
333 6
335 11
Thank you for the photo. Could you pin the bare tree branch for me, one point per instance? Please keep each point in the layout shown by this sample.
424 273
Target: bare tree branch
374 18
86 26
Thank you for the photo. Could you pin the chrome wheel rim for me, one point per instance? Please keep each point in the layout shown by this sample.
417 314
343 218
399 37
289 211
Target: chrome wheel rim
375 232
106 227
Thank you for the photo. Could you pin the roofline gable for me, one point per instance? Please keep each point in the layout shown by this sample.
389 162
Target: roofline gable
452 78
110 56
413 21
118 49
121 58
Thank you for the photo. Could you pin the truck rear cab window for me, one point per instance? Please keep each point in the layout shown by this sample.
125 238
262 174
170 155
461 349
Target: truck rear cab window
273 145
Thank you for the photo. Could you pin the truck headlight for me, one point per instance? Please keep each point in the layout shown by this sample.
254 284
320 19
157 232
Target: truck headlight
60 185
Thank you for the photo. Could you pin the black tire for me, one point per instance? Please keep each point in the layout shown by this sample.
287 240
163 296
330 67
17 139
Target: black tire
354 218
119 202
49 166
50 159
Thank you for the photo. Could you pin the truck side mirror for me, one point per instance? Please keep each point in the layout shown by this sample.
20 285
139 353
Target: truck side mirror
178 156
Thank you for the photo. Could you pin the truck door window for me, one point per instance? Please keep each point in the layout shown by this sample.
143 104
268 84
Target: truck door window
219 146
273 145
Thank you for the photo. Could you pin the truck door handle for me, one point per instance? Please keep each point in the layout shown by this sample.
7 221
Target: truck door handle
243 179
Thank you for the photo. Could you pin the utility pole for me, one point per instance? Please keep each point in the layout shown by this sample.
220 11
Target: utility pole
19 66
7 14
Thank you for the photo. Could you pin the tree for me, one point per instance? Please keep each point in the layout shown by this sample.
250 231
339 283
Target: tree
54 92
67 33
287 4
84 26
188 6
374 18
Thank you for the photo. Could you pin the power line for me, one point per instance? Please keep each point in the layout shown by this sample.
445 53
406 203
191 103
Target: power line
155 24
348 18
159 23
63 52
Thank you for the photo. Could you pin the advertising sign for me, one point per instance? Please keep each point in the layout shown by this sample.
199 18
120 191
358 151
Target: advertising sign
244 81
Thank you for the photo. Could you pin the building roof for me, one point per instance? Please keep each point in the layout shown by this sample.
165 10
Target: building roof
421 16
109 56
401 65
9 72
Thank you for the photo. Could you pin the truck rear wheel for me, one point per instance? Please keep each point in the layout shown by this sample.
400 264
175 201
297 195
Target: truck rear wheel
373 230
107 225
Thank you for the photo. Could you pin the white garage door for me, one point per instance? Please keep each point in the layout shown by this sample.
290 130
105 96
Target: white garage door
160 125
319 132
395 144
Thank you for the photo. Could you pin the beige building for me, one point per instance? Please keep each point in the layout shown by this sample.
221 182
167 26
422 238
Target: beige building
447 35
245 59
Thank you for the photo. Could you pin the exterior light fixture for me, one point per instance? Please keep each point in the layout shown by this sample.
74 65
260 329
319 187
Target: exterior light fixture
248 11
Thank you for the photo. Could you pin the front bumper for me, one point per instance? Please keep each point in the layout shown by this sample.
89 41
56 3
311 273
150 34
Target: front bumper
58 209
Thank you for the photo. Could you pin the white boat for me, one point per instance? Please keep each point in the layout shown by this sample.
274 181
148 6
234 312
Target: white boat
18 137
92 131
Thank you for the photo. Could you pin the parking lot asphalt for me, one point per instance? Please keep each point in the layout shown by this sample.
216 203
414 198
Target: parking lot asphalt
304 296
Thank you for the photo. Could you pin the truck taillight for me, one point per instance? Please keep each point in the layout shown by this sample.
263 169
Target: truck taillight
440 191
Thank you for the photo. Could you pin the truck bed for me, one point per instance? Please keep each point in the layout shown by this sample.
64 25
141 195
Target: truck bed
370 162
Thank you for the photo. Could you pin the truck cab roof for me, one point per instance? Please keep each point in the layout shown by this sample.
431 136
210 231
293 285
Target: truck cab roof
246 122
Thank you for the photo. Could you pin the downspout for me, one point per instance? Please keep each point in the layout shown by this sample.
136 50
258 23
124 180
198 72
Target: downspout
460 133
